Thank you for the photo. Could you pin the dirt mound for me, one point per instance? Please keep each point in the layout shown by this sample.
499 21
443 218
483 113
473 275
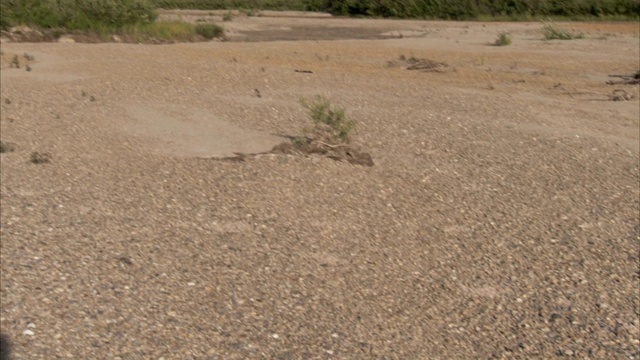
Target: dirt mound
335 152
413 63
341 152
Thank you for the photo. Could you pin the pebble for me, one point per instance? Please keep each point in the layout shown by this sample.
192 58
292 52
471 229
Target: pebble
28 332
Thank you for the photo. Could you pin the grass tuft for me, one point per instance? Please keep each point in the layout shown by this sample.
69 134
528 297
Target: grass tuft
328 121
171 31
503 39
163 30
209 31
551 31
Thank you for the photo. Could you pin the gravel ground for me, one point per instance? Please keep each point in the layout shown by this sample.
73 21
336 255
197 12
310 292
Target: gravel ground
501 218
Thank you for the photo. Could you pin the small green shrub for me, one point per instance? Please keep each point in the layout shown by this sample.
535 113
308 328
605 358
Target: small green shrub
209 31
228 16
503 39
328 122
552 31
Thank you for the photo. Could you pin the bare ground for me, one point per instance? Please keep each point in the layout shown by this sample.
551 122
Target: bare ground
500 220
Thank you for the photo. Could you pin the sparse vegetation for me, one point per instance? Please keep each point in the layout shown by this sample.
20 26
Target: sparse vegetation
434 9
170 31
228 16
134 20
329 123
209 31
551 31
503 39
77 15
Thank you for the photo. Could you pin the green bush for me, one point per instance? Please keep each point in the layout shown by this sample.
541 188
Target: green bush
503 39
77 14
209 31
328 122
552 31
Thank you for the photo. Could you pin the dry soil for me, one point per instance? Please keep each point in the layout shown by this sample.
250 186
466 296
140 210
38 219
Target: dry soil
500 220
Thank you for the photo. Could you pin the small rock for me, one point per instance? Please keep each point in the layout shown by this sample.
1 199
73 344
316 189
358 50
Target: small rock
28 332
66 40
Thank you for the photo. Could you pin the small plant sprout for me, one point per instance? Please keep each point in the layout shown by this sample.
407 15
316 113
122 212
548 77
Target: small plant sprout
328 122
503 39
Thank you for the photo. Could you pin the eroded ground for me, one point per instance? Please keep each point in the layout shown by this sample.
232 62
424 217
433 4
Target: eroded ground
500 219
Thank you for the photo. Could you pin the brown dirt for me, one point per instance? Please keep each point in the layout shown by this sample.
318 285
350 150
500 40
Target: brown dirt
500 220
338 152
